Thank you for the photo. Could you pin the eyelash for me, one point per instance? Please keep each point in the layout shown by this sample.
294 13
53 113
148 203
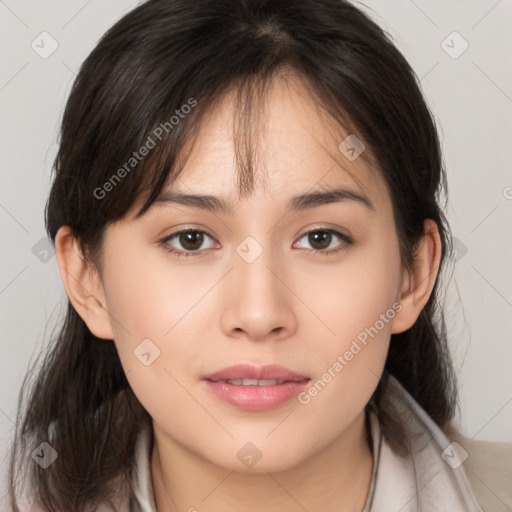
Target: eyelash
179 253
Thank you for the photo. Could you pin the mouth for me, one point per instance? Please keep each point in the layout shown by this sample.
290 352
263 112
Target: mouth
256 388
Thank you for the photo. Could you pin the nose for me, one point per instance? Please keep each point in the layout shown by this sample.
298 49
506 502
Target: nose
257 300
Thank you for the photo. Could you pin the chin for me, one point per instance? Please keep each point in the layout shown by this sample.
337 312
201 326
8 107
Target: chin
250 460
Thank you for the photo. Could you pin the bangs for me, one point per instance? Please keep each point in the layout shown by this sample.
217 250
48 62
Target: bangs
167 160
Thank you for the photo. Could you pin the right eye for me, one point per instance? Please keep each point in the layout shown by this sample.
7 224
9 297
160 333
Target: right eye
191 241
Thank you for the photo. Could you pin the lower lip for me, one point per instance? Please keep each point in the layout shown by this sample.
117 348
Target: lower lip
256 398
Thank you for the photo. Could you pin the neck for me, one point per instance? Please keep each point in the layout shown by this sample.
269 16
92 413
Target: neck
337 478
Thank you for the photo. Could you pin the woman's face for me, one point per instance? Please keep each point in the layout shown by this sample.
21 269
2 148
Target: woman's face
249 288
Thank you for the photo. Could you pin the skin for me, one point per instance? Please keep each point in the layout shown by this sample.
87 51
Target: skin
289 307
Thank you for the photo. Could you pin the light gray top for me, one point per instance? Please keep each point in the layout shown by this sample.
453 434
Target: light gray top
430 478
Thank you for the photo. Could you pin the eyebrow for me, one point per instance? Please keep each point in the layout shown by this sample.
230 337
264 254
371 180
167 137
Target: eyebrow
296 203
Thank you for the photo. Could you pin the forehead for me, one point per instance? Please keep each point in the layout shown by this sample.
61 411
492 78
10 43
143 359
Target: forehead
282 143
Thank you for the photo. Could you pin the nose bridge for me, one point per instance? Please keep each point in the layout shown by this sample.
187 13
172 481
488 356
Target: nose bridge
255 266
259 303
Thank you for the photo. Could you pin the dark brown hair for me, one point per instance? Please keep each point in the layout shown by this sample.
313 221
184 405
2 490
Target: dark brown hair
159 57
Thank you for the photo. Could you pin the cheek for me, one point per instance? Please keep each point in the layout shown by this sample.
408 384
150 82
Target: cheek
357 304
150 295
155 308
351 296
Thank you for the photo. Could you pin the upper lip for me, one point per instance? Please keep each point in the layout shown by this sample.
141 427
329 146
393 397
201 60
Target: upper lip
247 371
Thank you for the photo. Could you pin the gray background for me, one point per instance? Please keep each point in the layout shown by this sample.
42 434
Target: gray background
470 94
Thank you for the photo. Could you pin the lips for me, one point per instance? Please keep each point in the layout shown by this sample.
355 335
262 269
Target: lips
255 388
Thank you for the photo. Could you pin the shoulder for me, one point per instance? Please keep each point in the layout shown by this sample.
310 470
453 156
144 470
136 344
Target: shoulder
488 466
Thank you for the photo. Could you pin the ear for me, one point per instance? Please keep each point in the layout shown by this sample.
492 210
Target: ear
83 284
418 283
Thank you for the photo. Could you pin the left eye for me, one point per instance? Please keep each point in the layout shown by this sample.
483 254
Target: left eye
192 241
322 238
